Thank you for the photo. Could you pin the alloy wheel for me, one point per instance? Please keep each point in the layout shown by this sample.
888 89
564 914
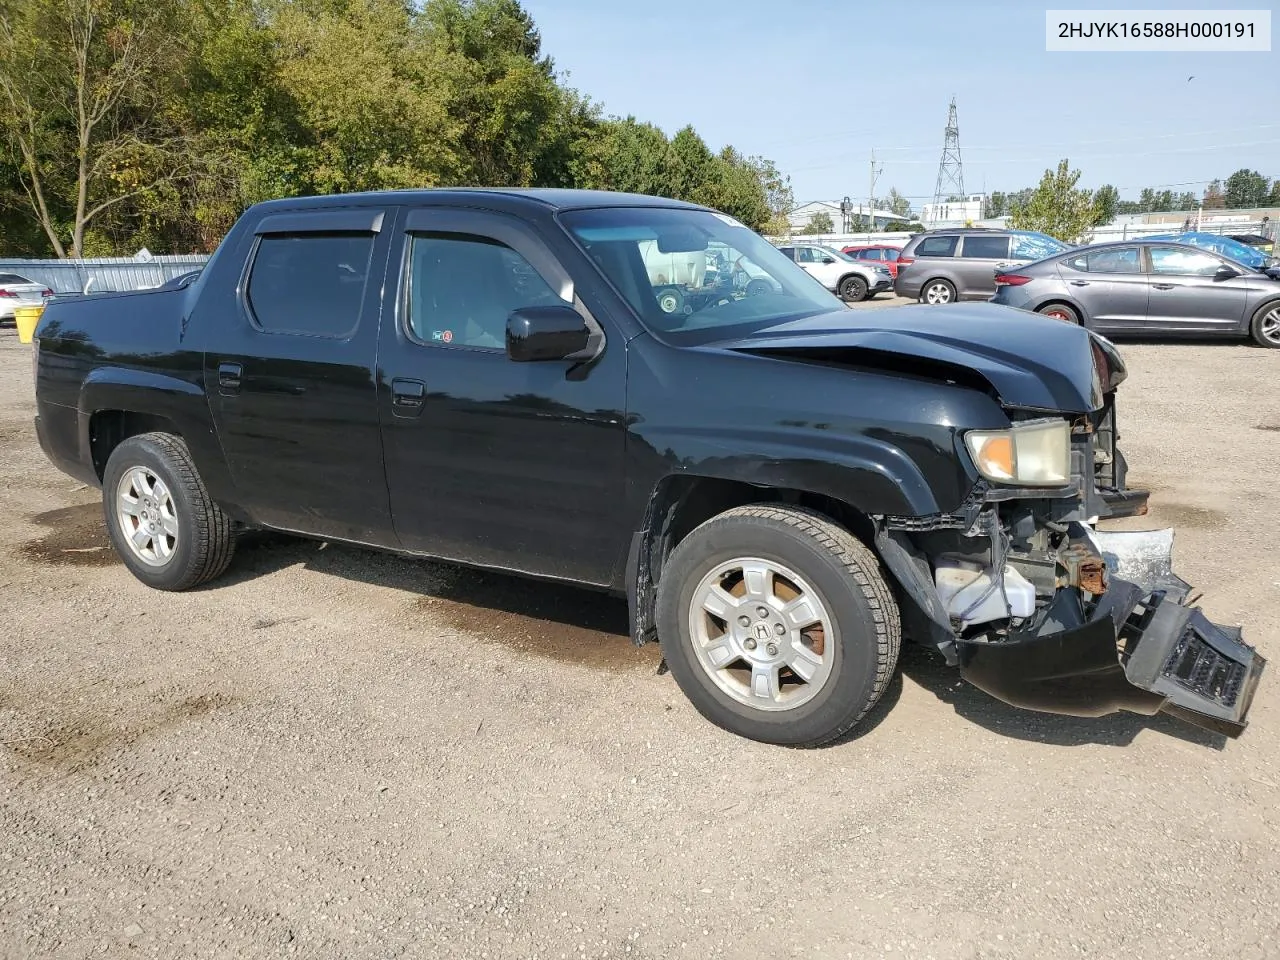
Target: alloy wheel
762 634
145 510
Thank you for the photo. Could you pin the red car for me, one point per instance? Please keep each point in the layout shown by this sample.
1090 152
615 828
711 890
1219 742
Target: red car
880 253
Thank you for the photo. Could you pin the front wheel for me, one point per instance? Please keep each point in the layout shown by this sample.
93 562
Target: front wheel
670 300
1266 326
853 289
778 625
937 291
160 518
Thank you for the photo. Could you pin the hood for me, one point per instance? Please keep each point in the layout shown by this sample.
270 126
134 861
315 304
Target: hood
1027 361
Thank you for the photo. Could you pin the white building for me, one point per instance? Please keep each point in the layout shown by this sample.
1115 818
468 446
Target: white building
953 214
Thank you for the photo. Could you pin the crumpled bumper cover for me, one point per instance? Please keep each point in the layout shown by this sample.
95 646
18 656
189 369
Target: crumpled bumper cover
1137 648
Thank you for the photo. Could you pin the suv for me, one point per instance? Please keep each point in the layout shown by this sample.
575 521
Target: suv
780 487
942 266
847 278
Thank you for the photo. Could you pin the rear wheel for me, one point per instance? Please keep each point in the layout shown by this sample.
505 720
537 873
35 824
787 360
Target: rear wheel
1266 325
937 291
853 289
778 625
160 518
1060 311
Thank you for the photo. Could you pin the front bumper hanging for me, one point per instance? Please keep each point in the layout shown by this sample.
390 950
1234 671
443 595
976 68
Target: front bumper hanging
1137 647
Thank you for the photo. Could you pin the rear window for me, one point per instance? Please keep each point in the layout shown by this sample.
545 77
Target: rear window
310 284
1036 246
937 247
892 254
12 278
985 248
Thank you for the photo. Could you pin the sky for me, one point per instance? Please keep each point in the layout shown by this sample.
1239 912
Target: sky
816 85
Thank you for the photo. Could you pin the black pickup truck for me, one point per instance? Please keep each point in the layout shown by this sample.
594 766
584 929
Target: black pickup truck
780 486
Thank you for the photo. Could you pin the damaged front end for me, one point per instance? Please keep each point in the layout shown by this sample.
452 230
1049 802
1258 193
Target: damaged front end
1043 611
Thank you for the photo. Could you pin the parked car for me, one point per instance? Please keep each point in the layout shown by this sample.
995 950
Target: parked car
779 486
1149 287
17 291
1223 246
1265 244
877 253
942 266
840 273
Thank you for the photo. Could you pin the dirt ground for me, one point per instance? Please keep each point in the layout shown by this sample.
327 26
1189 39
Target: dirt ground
333 753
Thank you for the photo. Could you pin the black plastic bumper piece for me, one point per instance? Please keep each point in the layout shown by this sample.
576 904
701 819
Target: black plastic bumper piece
1125 503
1144 653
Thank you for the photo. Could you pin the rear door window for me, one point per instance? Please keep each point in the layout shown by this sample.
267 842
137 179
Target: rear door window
309 284
985 248
1124 260
937 247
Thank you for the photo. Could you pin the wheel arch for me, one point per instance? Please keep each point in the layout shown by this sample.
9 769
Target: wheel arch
118 403
679 503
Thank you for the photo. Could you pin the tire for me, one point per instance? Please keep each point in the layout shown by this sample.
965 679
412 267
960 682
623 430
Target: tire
938 291
1060 311
1265 325
757 288
670 300
853 289
817 560
188 540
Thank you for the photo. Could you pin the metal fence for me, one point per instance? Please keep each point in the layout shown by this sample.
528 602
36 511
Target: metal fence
102 274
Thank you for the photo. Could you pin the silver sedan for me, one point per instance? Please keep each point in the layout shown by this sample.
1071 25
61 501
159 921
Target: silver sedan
1138 287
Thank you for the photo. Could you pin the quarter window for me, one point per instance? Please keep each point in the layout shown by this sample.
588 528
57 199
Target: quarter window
310 284
1186 263
937 247
985 248
462 288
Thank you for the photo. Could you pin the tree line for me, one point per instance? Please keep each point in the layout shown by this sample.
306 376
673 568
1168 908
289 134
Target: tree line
1242 190
131 123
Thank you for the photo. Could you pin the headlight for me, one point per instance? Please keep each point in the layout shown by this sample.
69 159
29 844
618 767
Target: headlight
1033 454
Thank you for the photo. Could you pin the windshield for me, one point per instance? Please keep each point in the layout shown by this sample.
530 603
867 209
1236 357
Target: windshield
1036 246
695 276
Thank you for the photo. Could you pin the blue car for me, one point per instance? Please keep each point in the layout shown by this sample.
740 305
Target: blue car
1223 246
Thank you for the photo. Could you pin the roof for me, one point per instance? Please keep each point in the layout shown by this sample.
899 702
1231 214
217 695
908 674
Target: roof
549 198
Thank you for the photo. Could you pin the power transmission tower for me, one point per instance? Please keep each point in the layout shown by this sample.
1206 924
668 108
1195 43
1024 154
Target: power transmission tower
950 169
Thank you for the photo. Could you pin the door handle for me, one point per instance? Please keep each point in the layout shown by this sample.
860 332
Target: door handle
229 375
1079 283
1164 286
408 397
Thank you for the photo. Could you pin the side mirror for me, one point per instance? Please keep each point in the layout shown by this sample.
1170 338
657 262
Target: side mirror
828 259
545 333
1225 273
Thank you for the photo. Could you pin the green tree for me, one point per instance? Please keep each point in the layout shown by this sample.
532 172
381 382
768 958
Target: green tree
1057 207
997 205
1106 201
1274 199
1186 201
895 203
82 105
1246 188
819 223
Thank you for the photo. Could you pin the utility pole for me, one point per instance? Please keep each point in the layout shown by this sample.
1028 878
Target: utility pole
871 194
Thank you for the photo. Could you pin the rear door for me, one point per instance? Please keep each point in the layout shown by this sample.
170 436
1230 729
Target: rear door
289 375
1185 297
489 461
975 268
1110 285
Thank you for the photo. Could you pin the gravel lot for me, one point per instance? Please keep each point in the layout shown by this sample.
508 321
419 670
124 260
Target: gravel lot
333 753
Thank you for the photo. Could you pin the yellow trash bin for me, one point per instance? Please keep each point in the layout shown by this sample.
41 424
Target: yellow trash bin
26 318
